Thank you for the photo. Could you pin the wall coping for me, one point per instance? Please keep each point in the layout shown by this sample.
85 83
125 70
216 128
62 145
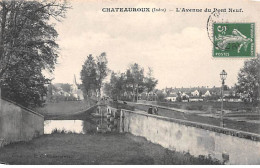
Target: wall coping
227 131
25 108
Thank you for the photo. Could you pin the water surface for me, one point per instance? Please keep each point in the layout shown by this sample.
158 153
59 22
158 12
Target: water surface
75 126
80 126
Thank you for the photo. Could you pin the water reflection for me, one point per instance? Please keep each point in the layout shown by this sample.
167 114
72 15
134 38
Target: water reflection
81 126
75 126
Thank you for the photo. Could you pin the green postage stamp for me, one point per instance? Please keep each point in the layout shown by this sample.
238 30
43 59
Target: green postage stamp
234 40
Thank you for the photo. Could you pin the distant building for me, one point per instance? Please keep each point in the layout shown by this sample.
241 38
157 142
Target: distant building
196 93
206 94
185 95
172 97
76 92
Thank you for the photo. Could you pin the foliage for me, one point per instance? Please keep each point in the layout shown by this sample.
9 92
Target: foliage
88 75
178 99
161 96
24 87
93 74
150 81
102 71
127 85
249 80
117 86
135 79
27 46
66 87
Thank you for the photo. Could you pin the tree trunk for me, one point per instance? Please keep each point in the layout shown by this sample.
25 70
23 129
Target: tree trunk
137 93
99 93
133 93
3 21
0 101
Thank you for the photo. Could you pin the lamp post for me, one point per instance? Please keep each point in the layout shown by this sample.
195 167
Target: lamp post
223 76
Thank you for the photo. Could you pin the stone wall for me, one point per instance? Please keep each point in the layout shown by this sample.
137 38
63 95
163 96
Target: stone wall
227 145
18 123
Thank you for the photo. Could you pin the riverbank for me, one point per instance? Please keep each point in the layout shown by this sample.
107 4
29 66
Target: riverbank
237 121
65 109
96 149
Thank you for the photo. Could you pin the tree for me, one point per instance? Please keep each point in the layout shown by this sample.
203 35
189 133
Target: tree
135 77
108 89
161 96
24 87
27 46
88 75
249 80
66 87
93 74
128 85
150 81
116 87
102 71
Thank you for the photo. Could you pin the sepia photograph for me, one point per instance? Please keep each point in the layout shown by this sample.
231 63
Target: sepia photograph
129 82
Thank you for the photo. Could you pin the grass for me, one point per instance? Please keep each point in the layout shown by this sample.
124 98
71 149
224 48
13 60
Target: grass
109 148
211 106
57 131
65 147
64 108
244 126
119 105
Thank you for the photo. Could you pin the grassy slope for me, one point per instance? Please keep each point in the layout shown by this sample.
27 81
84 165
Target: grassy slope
244 126
93 149
205 106
64 108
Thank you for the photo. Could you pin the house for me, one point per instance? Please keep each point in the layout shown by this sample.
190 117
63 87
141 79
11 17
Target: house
164 92
195 96
66 94
196 93
185 96
58 91
172 97
206 94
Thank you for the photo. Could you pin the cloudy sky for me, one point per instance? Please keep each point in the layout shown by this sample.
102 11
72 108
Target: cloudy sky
175 45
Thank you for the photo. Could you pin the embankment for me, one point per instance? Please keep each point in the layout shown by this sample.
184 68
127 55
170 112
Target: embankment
18 123
226 145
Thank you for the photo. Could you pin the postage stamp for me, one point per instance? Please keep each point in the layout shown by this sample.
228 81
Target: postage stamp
233 39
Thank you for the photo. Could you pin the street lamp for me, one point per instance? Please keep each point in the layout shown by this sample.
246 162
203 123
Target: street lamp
223 76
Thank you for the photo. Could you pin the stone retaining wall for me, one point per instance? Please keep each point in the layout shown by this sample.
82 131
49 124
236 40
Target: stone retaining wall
18 123
227 145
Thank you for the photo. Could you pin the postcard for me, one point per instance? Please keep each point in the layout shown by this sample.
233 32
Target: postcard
129 82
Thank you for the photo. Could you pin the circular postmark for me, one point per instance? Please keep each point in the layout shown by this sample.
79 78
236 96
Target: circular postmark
214 17
230 39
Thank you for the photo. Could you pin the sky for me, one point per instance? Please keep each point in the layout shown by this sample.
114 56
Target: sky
175 45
